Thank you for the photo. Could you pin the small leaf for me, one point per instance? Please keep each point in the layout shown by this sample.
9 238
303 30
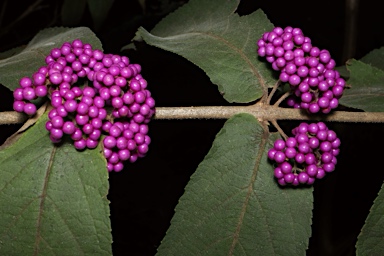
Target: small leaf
219 41
52 198
233 205
375 58
99 10
32 57
370 240
72 11
367 87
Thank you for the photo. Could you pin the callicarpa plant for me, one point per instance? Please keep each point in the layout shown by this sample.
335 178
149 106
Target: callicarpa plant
81 112
86 115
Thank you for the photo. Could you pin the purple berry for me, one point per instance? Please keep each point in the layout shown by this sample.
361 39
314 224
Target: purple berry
25 82
289 177
56 133
29 109
142 149
109 142
278 173
118 167
285 167
303 177
91 143
69 127
18 105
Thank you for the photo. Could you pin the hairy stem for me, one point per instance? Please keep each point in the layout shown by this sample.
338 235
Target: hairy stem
260 111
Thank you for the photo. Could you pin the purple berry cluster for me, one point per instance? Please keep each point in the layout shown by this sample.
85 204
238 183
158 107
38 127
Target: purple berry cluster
310 154
93 95
315 85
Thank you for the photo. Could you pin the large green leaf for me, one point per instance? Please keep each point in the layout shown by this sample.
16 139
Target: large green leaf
375 58
371 239
367 87
53 198
32 57
219 41
232 204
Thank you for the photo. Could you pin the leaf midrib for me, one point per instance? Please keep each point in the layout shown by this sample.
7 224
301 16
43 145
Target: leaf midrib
261 148
43 196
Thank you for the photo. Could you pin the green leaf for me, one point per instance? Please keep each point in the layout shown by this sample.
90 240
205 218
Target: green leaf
11 52
33 56
219 41
53 198
99 10
233 205
375 58
370 240
72 11
367 87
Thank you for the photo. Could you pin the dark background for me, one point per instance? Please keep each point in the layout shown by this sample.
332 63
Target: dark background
144 195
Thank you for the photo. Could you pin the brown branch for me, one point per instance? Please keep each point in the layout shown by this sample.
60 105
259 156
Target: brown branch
12 117
265 112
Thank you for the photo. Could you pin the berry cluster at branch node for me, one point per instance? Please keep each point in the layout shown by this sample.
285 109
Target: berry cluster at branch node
316 86
94 96
307 156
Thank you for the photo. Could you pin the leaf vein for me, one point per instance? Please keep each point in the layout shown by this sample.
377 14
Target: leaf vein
65 222
17 217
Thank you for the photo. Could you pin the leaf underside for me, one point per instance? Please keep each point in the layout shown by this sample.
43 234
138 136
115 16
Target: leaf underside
53 198
370 240
219 41
32 57
232 204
